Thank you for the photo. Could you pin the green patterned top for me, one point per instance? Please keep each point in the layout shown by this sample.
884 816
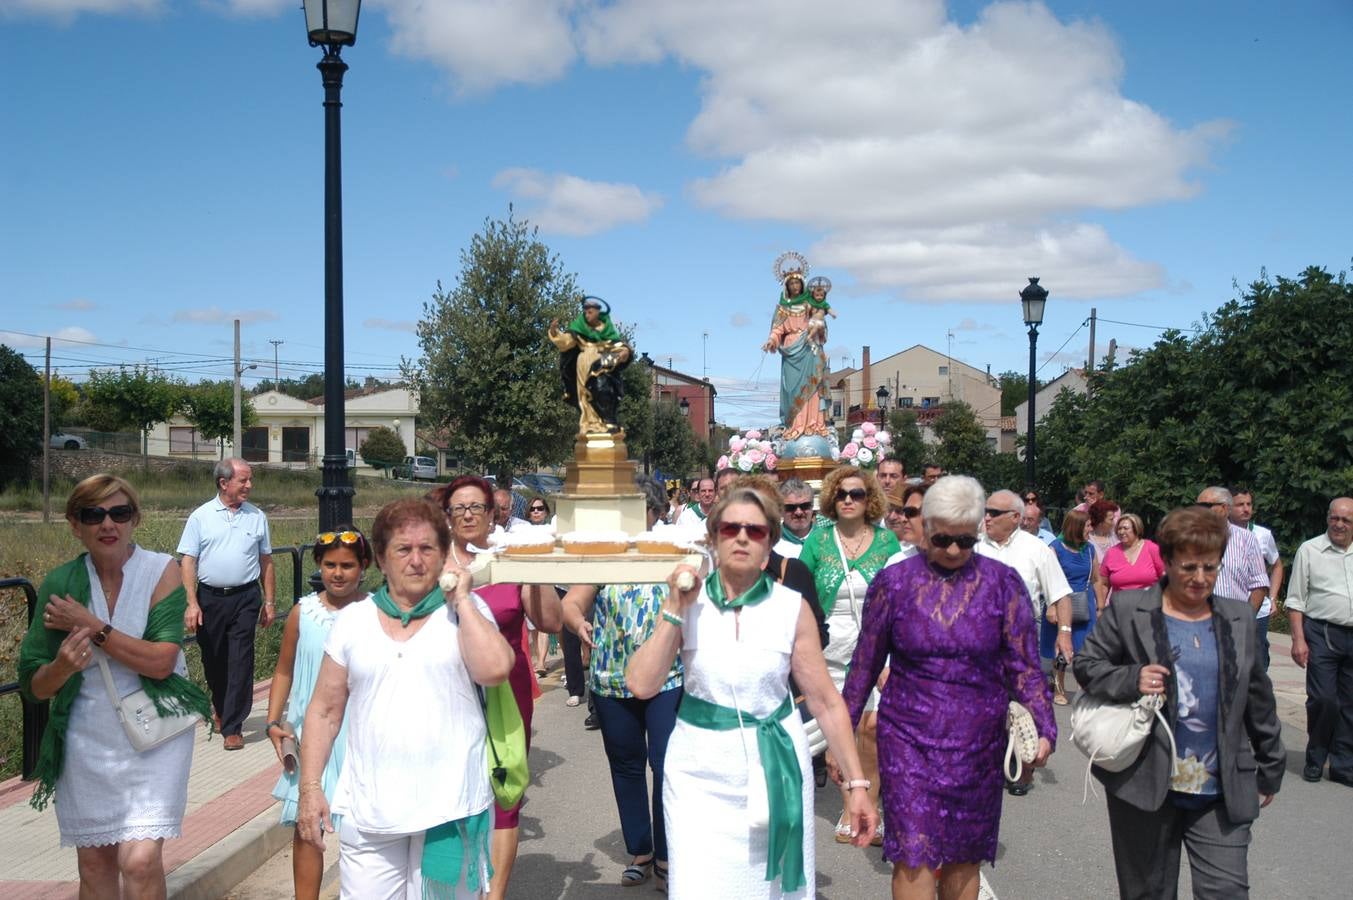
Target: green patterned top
823 559
623 617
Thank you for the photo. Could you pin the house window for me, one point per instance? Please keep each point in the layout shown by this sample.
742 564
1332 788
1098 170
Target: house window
944 370
836 409
187 440
255 444
354 437
904 402
927 402
295 443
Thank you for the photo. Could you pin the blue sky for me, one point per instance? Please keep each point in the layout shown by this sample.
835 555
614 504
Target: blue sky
161 171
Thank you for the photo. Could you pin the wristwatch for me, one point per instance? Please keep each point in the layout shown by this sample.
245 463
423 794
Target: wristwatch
100 637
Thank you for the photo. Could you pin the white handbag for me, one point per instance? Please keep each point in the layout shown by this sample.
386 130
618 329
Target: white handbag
1021 747
1112 734
145 727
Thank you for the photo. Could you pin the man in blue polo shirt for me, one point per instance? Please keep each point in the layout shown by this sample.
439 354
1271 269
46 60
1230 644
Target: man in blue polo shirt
226 551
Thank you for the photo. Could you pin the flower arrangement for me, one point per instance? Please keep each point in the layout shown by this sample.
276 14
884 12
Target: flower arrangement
868 445
750 452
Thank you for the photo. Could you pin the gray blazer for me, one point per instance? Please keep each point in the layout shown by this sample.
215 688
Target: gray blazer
1131 633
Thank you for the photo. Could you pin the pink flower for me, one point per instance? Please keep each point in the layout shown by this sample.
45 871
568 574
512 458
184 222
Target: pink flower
772 461
756 456
723 462
871 442
753 435
869 428
849 450
736 444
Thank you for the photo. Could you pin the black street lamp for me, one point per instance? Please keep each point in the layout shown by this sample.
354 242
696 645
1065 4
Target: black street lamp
685 407
1033 298
882 396
332 24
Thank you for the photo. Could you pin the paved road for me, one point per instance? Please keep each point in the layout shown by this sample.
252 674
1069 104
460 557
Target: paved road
1052 847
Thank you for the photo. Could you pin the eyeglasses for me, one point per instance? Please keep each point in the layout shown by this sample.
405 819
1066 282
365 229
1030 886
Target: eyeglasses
539 509
93 515
909 512
945 541
855 495
461 509
730 530
1210 504
1032 498
346 537
806 506
996 513
1208 569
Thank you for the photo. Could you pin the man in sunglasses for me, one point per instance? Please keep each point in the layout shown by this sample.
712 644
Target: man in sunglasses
226 550
798 519
1243 575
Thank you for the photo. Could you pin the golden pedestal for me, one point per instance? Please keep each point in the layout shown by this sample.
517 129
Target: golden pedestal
599 492
810 469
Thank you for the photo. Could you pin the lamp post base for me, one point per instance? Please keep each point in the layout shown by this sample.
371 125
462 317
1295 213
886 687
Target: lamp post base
335 495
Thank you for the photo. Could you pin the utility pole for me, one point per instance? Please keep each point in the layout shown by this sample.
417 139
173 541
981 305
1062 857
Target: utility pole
704 358
238 443
1090 360
47 436
276 376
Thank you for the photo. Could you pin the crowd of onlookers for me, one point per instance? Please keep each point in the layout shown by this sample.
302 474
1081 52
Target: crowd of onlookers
873 632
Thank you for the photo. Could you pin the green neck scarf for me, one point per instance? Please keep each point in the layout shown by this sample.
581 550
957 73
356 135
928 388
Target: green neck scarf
759 591
607 331
434 601
805 297
174 695
793 538
784 780
699 513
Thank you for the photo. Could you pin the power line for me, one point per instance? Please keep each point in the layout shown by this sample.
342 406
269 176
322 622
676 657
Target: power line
1054 353
1152 327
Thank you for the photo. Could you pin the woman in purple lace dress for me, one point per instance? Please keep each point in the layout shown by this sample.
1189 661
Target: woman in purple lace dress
961 635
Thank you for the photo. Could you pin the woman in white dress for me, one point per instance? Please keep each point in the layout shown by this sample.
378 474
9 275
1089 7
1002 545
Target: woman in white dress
115 805
738 787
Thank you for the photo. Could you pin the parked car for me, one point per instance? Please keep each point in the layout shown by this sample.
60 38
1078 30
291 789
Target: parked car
542 483
69 442
417 468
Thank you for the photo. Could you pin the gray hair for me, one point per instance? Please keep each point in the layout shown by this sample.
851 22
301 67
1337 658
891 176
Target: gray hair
957 499
225 469
1223 495
1010 495
655 495
793 487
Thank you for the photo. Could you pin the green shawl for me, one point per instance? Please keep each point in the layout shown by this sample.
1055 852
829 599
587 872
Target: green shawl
805 297
822 559
174 695
607 331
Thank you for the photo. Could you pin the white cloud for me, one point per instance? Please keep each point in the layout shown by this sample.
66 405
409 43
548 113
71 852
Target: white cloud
575 206
214 315
77 304
28 341
391 325
66 10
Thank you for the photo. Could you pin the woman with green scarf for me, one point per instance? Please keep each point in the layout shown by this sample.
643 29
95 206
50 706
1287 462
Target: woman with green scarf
592 355
737 782
402 666
115 805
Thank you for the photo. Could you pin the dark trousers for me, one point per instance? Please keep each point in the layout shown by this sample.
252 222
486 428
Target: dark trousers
635 732
226 638
1146 851
1329 696
1261 638
574 673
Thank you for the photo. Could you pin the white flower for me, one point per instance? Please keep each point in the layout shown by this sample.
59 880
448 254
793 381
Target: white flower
865 456
744 463
1191 777
857 435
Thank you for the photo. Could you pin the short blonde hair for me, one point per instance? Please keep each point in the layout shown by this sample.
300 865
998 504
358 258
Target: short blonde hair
874 505
97 488
1135 521
768 501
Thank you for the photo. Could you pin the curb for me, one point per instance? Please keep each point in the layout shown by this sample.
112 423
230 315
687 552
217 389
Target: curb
212 873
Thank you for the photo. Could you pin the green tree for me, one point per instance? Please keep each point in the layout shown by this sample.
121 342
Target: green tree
382 449
21 434
963 447
908 444
210 406
1015 390
136 399
636 407
677 452
307 388
488 374
64 396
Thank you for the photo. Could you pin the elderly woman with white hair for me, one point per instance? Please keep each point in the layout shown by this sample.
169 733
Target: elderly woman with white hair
961 635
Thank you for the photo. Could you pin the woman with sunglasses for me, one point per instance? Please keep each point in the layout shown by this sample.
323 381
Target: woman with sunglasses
469 506
737 784
1205 785
844 557
342 557
115 805
958 631
904 520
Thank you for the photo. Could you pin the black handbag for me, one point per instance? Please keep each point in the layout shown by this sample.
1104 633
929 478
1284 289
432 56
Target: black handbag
1080 607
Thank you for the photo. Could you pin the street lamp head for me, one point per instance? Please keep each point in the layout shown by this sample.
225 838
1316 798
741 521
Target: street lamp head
882 395
685 407
1033 298
332 23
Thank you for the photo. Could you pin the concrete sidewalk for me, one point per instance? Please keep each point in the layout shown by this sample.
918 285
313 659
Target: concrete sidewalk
230 827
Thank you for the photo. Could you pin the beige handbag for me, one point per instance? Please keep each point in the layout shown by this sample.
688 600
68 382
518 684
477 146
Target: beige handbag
1021 748
145 727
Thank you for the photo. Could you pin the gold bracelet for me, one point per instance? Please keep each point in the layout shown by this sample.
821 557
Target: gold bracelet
306 784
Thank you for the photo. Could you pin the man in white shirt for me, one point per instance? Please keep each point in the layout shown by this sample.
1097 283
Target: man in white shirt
1320 612
1242 575
503 520
694 515
798 520
1242 516
1003 539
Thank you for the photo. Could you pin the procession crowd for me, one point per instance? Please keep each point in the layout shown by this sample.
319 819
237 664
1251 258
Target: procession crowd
904 639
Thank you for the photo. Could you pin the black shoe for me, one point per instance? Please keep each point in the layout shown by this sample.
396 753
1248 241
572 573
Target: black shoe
591 723
1312 773
1345 780
1014 789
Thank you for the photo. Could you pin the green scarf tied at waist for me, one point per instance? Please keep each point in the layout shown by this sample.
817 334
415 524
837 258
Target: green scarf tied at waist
434 601
173 695
457 851
784 780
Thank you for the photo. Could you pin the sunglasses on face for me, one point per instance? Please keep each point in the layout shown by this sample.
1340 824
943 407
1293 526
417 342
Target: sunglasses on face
345 537
909 512
945 541
539 509
1032 498
1212 504
806 506
996 513
855 495
460 509
730 530
93 515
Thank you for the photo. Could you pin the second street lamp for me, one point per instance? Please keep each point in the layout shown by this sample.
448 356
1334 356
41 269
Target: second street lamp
882 396
332 24
1033 298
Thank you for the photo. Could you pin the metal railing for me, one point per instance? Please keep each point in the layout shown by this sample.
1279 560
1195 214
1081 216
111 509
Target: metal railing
35 714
